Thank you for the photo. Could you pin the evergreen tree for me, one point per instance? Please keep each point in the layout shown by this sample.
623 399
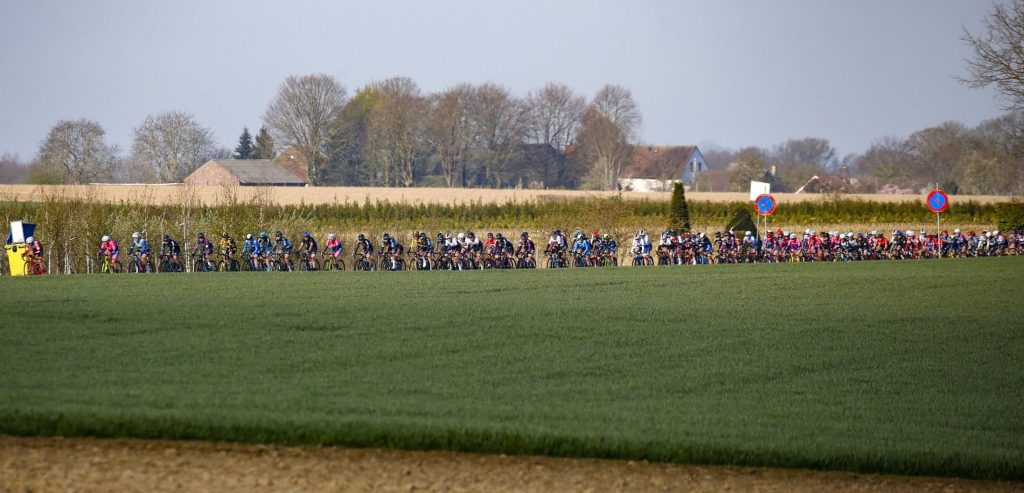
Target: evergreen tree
244 149
678 211
264 145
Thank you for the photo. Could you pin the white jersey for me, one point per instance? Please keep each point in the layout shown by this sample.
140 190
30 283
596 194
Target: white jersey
558 240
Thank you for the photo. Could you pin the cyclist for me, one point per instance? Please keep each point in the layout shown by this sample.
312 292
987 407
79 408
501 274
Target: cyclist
608 245
250 248
392 249
283 246
204 247
33 253
364 246
227 246
423 244
140 247
557 243
264 248
308 245
333 246
526 246
641 245
502 246
172 251
581 247
489 242
473 244
110 248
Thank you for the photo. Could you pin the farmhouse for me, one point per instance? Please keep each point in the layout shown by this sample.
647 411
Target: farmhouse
655 168
284 171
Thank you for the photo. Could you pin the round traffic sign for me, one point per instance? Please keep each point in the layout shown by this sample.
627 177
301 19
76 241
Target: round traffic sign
765 204
937 201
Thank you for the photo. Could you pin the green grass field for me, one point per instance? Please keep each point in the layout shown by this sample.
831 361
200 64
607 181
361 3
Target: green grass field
909 367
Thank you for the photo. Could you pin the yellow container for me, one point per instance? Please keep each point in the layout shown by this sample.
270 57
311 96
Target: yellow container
14 258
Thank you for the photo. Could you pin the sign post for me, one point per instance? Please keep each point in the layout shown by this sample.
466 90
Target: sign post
937 202
765 205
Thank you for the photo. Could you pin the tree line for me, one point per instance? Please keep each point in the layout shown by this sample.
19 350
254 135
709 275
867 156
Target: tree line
388 133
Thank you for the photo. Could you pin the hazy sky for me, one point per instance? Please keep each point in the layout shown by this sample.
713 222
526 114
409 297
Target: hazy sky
726 73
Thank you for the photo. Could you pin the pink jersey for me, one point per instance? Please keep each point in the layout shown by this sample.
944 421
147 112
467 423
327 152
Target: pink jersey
109 247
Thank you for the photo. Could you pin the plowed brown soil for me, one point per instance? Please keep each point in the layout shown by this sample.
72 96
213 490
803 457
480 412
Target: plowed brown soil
56 464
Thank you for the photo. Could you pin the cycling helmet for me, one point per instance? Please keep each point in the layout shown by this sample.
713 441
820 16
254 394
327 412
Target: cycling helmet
248 236
226 235
263 234
910 232
957 231
770 234
557 232
524 235
201 235
500 236
462 236
596 235
701 234
305 234
996 232
30 239
387 236
167 238
792 236
135 235
362 237
490 234
606 236
447 236
807 231
718 234
471 235
278 233
105 238
643 233
746 233
330 236
988 235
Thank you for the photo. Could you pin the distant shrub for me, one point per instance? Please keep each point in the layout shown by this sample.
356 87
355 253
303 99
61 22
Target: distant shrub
1010 215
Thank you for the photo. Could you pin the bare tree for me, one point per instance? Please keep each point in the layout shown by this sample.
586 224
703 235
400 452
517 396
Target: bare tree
76 150
999 53
751 166
173 144
499 126
605 146
396 129
616 103
303 113
12 170
554 113
449 131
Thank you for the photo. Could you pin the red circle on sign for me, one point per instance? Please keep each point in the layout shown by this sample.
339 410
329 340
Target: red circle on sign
937 201
758 204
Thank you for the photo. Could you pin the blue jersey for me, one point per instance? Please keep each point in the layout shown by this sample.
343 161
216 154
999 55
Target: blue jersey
582 244
141 246
610 246
250 247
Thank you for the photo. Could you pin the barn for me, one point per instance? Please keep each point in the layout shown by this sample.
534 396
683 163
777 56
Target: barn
249 172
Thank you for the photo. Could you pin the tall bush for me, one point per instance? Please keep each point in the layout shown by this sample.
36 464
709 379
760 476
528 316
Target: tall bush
678 212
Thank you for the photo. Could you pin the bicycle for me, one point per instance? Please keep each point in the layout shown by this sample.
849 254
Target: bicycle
642 259
525 261
110 266
228 263
279 261
308 261
556 260
392 262
202 263
35 266
136 267
168 264
361 262
333 262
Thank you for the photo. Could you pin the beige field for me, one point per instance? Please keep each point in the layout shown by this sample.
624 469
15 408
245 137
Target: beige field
211 195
